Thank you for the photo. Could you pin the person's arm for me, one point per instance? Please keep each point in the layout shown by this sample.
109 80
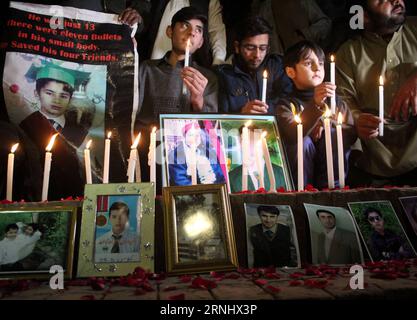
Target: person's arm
217 32
319 24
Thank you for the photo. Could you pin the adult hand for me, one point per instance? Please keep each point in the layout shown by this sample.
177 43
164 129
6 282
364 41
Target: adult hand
367 126
196 84
317 132
405 99
323 91
255 107
130 16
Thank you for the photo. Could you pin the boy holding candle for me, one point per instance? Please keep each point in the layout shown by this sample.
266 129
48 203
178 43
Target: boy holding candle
304 64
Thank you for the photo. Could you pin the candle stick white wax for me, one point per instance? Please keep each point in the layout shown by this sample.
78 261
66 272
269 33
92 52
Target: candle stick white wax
259 163
132 160
264 86
106 159
381 106
47 168
329 152
333 81
10 171
245 155
340 152
152 156
268 163
186 63
87 163
300 154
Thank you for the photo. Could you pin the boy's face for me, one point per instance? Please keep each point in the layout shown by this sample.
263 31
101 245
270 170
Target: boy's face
182 31
193 136
54 99
268 220
29 231
308 73
11 234
253 50
118 220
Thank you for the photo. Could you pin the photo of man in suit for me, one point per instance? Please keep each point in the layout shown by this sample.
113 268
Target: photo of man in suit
335 245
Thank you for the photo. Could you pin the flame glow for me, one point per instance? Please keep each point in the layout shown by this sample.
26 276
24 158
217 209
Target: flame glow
88 145
332 58
247 124
14 148
340 118
51 142
197 224
109 135
328 112
153 129
136 142
381 80
264 134
297 118
265 74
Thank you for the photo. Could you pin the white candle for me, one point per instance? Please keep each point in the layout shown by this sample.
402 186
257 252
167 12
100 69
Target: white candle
264 85
300 153
87 163
193 160
152 157
340 152
259 163
245 155
47 168
10 169
329 152
186 63
132 160
333 81
106 158
268 163
381 106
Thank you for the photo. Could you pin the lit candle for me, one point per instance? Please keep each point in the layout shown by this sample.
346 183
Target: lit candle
381 106
329 152
193 160
132 160
152 157
47 167
10 168
264 86
186 63
245 155
106 158
259 163
87 163
300 154
333 81
268 163
340 153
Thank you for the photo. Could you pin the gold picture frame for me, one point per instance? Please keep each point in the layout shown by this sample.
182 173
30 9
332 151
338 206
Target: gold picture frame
113 241
36 236
199 234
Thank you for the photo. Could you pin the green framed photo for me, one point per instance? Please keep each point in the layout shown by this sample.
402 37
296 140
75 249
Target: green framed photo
199 234
36 236
117 229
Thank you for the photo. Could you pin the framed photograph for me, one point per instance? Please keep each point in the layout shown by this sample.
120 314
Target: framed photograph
381 230
199 233
208 148
410 208
272 237
34 237
117 230
334 238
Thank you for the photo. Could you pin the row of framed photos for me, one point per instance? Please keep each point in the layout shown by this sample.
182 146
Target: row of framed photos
115 233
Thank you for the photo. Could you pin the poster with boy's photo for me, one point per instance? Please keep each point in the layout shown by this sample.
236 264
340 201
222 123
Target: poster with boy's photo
78 79
272 237
334 238
117 234
381 230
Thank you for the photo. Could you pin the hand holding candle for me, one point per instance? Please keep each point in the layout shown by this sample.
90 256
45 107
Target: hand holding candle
340 152
264 86
132 160
47 167
87 163
106 158
329 152
381 106
333 81
10 170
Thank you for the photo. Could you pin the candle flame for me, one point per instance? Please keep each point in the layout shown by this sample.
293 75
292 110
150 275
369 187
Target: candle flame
293 109
136 142
247 124
328 112
264 134
340 118
188 43
153 129
51 142
332 58
109 135
14 148
297 118
381 80
265 74
88 144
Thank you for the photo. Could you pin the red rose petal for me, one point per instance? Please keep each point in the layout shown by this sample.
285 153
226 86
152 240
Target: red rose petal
180 296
